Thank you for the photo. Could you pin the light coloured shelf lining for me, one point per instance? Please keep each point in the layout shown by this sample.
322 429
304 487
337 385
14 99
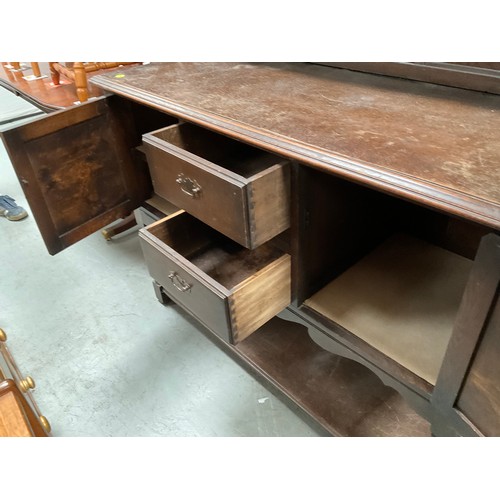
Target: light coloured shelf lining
402 299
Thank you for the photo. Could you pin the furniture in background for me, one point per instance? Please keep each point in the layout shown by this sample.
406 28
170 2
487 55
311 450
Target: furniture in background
481 76
77 73
21 79
365 208
19 413
17 67
69 80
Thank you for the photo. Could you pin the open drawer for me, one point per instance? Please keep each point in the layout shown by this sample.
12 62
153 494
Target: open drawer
241 191
231 290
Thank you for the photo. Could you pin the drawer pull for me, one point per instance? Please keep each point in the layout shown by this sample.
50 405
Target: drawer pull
179 283
45 423
27 384
189 186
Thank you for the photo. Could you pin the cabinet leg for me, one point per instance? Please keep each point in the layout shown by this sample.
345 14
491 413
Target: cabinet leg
54 74
119 227
81 83
162 298
441 428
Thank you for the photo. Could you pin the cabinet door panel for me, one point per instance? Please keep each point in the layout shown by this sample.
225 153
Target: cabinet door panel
76 171
479 398
466 398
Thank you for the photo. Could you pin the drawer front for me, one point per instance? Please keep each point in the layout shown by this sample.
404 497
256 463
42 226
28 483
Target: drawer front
202 301
205 193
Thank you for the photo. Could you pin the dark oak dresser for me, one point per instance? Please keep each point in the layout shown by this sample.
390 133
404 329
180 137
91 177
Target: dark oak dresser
364 207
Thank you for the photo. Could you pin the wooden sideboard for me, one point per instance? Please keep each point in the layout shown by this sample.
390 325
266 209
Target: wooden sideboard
363 207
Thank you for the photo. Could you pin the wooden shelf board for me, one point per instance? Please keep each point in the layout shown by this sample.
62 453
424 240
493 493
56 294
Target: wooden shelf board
402 299
342 396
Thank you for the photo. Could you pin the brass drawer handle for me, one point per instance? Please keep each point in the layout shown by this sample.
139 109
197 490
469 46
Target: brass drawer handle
179 283
189 186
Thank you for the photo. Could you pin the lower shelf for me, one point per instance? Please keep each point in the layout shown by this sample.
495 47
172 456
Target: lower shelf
401 299
341 396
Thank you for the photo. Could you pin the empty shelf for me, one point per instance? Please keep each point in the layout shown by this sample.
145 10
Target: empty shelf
402 299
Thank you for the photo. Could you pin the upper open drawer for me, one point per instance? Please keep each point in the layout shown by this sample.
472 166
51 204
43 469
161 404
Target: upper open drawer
241 191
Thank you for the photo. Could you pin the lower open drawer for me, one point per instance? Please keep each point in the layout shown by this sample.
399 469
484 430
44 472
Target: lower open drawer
231 290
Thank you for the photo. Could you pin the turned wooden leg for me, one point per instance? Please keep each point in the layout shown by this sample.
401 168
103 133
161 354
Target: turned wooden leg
54 74
36 69
80 81
8 73
16 71
119 227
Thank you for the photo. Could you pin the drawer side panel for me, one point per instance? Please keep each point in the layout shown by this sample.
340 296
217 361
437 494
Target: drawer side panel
269 203
260 298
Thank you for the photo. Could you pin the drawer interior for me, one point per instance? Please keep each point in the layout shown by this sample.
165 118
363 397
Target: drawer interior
392 273
220 258
237 157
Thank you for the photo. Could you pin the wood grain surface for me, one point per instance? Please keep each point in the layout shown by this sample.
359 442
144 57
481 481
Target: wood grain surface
13 421
342 396
434 144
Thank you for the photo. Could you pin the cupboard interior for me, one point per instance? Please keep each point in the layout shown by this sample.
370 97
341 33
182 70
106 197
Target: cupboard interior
234 156
390 272
223 260
136 120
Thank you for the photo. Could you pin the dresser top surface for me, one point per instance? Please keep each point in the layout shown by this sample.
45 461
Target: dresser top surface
430 143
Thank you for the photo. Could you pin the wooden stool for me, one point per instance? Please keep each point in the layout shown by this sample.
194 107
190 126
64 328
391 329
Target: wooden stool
77 73
17 67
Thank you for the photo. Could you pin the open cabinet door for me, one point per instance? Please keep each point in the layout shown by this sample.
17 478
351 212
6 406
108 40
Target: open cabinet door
467 392
76 170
